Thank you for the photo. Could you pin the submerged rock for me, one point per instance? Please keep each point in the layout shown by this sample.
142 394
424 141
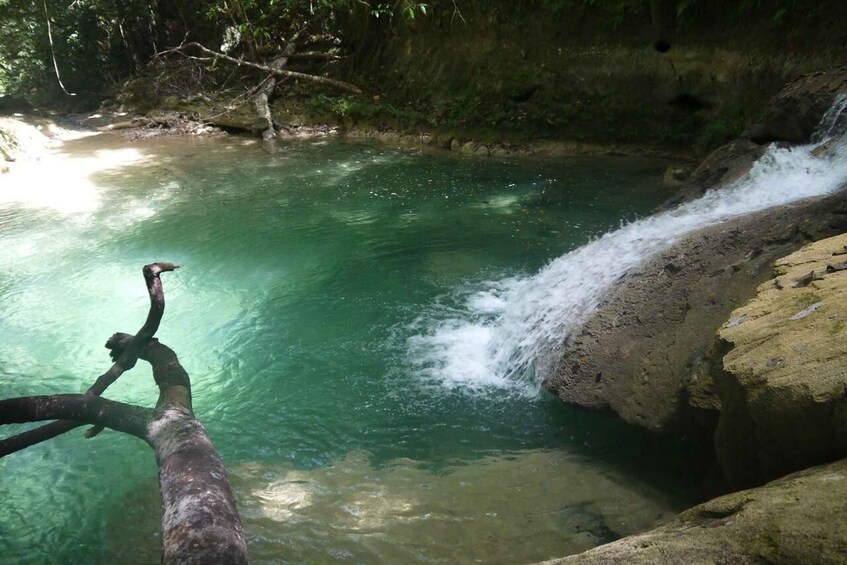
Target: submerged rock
784 389
801 518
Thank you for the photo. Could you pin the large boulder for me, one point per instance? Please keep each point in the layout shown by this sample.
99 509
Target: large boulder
784 389
801 518
795 111
648 353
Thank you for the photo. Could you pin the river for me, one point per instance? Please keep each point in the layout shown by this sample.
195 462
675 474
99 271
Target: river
322 313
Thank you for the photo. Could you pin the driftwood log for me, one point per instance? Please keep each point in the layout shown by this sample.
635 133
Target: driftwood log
200 522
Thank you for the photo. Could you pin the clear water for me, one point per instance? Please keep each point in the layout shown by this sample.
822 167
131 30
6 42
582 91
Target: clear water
313 277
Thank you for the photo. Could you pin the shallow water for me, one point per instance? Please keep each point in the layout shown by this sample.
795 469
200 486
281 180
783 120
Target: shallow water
310 274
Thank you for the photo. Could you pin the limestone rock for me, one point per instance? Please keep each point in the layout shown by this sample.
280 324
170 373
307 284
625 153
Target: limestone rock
648 352
801 518
784 405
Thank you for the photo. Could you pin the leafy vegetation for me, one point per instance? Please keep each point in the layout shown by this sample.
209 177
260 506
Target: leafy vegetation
99 43
101 47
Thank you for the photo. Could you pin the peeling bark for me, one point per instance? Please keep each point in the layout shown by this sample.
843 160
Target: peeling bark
200 523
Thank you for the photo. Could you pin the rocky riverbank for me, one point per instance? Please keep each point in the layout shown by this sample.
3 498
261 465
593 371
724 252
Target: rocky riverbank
800 518
733 337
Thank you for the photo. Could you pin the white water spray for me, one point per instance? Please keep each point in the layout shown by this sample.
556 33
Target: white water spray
499 334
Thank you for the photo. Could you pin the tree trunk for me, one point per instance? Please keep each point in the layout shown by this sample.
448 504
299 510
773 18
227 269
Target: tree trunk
262 98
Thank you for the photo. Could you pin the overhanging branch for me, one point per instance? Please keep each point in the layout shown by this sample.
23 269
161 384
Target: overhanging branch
126 361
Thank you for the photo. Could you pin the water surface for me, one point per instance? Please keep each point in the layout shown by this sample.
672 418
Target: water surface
314 277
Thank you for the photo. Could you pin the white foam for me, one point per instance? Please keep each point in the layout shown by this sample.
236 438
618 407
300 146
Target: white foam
498 335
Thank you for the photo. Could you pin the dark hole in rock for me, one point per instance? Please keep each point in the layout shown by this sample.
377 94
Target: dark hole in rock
662 46
687 103
525 94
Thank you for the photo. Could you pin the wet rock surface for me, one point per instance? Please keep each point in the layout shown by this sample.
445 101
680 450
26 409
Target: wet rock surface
795 111
649 352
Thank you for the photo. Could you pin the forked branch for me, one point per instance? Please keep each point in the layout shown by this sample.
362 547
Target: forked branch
200 522
124 362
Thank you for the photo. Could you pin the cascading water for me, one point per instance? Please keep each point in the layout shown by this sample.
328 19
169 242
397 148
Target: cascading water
497 335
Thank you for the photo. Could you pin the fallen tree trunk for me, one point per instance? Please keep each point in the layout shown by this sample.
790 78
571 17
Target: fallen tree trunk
200 522
261 101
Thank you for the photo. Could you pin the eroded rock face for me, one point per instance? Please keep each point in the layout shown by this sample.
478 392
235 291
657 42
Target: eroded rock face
793 114
784 389
801 518
649 352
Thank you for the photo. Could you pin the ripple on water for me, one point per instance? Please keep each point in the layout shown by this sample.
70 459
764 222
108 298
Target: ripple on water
302 273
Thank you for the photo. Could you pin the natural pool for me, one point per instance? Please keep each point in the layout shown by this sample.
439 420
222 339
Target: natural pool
313 315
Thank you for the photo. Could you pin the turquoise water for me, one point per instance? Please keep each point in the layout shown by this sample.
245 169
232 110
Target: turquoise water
308 271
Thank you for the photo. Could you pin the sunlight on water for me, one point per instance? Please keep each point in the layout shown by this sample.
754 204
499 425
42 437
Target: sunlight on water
61 182
303 269
498 333
525 506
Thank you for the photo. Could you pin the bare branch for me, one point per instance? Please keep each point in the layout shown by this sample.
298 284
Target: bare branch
79 408
200 520
188 463
172 380
267 68
125 362
315 55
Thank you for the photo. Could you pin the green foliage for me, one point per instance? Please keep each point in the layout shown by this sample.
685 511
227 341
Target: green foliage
94 43
408 8
614 11
717 132
779 11
98 43
359 109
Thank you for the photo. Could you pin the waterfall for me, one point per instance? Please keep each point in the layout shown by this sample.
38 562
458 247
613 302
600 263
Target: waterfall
498 336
